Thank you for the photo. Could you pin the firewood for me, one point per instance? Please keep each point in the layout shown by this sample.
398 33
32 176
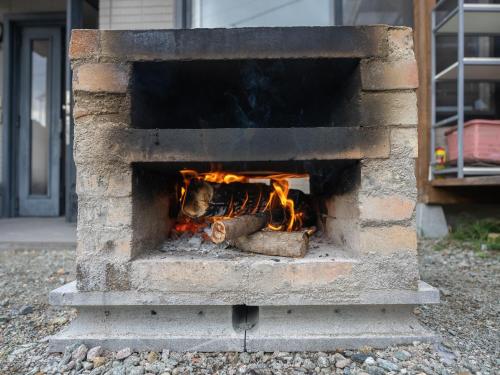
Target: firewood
209 199
286 244
206 199
232 228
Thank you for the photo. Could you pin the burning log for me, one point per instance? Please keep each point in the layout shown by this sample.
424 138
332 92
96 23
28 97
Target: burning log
233 228
208 199
285 244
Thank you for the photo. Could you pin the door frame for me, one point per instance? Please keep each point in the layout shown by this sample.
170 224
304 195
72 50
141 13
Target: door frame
10 96
48 204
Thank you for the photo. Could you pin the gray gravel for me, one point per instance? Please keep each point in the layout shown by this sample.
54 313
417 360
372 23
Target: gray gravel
467 320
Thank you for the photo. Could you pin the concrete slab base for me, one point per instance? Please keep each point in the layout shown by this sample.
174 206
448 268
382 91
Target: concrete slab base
179 328
327 328
224 328
431 221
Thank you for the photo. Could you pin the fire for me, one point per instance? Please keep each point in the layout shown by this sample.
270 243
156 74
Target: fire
278 198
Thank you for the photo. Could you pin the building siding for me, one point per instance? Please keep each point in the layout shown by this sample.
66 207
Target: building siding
136 14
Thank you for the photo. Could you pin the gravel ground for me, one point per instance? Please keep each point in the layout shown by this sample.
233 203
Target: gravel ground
467 319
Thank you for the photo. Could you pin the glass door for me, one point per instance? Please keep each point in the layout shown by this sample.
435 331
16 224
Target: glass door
40 122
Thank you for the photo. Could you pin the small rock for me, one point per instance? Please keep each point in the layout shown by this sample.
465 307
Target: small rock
338 357
165 354
133 360
369 361
359 357
342 363
119 370
402 355
5 302
97 371
136 370
387 365
87 365
154 368
308 364
96 351
171 363
4 319
375 370
245 358
78 366
445 292
80 353
152 357
448 344
65 358
323 362
25 310
123 353
70 365
99 361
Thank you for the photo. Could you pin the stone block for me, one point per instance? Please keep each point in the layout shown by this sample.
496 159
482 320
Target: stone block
379 75
331 328
90 276
389 108
243 43
102 104
388 177
105 212
404 143
197 275
100 182
96 243
388 208
69 295
84 43
97 145
117 276
387 240
305 276
400 42
104 77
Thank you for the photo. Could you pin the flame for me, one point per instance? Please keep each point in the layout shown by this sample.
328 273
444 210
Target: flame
278 198
221 177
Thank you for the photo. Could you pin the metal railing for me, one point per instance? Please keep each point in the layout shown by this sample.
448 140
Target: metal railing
457 71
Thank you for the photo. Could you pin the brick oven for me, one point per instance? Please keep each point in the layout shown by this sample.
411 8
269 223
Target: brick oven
173 124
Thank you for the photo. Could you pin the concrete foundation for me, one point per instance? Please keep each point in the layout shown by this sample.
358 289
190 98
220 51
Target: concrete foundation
144 322
431 221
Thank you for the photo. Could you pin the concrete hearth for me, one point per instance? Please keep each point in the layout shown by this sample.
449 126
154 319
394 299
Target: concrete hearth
352 129
157 321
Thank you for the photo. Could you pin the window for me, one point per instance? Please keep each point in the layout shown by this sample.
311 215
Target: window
252 13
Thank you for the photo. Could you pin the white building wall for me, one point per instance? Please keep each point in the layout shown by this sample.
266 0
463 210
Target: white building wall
136 14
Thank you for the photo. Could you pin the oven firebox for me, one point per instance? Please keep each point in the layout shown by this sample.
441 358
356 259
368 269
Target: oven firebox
334 104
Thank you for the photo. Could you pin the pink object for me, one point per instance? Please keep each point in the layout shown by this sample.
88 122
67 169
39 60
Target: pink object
481 141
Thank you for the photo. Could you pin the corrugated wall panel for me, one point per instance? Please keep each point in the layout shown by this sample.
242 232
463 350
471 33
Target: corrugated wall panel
136 14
